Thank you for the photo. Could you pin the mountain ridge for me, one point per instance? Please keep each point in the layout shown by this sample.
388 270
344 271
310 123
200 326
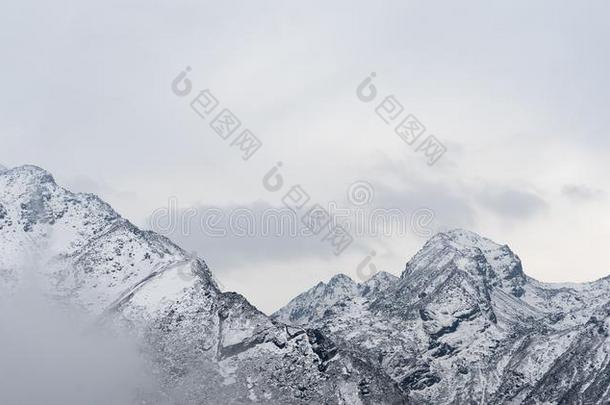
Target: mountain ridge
468 306
207 346
462 324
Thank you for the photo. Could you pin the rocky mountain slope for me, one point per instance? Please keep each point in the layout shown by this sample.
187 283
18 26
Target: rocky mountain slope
464 324
207 346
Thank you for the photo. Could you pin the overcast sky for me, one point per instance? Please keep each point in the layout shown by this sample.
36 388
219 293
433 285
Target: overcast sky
517 92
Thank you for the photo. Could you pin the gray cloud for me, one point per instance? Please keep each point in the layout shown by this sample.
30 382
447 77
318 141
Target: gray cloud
404 184
259 233
451 210
239 234
512 203
581 192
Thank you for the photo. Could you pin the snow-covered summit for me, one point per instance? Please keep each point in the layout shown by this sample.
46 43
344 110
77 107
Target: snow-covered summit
342 281
378 282
464 324
318 301
28 175
461 250
205 344
465 238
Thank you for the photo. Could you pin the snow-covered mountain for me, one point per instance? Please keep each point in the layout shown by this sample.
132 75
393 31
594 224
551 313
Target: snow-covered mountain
208 346
464 324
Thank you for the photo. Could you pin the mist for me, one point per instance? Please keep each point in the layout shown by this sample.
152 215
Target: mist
53 352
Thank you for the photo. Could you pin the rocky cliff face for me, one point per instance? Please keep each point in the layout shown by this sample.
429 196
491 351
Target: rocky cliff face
464 324
207 346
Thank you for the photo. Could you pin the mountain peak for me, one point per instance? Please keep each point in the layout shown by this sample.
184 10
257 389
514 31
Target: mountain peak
380 281
26 179
30 172
307 305
462 238
340 279
460 249
381 276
